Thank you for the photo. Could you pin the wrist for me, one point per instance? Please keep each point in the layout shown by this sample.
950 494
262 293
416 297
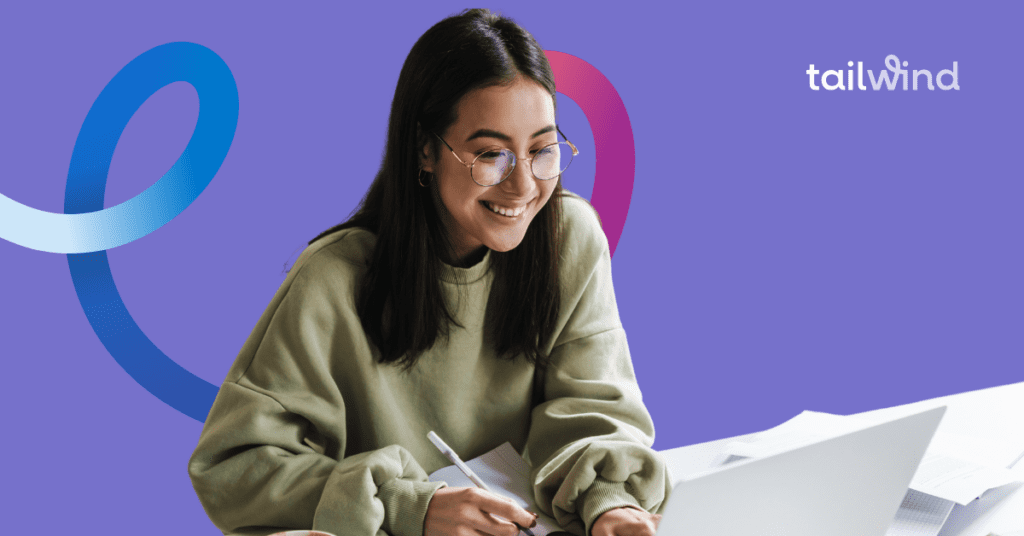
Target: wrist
601 497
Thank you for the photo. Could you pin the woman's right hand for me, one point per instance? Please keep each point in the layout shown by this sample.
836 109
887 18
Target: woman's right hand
471 511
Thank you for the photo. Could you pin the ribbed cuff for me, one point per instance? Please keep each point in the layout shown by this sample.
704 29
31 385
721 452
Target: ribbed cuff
601 496
405 505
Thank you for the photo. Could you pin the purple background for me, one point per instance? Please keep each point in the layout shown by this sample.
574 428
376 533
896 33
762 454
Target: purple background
785 249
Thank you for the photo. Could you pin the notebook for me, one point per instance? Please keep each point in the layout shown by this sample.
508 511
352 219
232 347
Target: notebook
507 474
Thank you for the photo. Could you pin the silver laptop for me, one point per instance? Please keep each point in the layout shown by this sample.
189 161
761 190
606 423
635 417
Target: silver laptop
850 485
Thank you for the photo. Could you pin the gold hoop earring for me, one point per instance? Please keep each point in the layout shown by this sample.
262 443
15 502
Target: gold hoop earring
419 177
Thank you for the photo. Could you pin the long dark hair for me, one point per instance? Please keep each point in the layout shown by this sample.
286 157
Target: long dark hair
401 303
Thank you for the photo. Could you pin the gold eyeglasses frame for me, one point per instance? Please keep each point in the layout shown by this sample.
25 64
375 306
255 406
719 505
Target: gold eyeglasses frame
515 159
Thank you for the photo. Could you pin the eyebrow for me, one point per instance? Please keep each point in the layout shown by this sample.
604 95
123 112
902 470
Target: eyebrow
487 133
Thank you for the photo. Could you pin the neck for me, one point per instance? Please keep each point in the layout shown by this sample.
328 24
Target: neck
467 259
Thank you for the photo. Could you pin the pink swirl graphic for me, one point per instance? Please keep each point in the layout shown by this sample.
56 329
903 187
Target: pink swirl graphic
613 138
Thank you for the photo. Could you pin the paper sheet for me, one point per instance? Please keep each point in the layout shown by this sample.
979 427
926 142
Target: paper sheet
986 452
955 479
804 429
920 514
507 474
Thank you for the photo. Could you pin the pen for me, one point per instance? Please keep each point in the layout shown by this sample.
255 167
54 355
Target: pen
451 455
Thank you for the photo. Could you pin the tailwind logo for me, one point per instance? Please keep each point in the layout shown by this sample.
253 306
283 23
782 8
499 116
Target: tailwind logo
890 78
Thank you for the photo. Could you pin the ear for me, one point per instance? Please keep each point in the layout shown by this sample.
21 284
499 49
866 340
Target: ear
425 155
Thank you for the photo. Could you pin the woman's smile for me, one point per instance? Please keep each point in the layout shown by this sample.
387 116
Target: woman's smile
510 211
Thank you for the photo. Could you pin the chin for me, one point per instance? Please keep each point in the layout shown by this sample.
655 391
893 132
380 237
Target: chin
503 245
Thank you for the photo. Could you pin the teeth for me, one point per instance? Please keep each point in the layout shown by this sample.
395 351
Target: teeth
509 212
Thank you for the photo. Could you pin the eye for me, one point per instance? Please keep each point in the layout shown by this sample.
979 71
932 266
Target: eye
488 155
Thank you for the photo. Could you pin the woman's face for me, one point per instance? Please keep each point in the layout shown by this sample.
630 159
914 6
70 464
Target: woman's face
519 117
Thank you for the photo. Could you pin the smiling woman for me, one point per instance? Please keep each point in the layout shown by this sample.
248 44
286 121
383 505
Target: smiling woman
494 210
469 295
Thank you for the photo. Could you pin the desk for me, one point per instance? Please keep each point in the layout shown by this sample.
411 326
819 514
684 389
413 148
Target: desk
995 413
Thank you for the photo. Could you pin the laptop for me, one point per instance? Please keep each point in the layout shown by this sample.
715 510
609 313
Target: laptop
849 485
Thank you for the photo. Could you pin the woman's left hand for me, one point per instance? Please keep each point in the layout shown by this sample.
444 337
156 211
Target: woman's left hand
625 521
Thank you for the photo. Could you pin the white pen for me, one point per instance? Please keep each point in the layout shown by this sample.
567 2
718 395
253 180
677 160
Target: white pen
451 455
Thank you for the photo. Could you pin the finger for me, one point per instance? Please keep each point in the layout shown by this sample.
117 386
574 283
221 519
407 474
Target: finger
506 508
499 526
489 524
476 519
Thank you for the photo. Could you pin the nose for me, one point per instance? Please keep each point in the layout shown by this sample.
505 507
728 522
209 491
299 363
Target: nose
521 183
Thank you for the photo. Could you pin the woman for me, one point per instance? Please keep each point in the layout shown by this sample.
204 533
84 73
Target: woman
468 295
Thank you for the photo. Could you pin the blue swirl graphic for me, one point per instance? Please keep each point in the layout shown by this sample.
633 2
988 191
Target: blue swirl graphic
93 228
89 229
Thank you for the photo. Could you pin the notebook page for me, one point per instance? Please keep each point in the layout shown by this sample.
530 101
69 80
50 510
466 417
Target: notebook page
508 475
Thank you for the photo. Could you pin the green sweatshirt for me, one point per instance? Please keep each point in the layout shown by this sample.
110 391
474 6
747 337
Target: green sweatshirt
309 431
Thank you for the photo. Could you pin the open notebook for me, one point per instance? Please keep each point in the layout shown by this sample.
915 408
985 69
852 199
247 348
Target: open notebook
508 474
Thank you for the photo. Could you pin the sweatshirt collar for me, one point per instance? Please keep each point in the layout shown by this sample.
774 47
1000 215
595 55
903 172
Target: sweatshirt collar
467 276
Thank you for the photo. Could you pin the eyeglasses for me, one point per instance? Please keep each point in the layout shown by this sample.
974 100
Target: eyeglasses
493 166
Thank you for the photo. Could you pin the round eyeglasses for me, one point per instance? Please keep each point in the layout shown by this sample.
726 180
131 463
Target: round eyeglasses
493 166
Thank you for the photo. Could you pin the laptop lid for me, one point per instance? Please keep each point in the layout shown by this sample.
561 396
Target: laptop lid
849 485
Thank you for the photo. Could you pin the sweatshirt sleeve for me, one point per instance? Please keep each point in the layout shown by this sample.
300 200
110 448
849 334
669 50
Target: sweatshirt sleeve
272 452
590 435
